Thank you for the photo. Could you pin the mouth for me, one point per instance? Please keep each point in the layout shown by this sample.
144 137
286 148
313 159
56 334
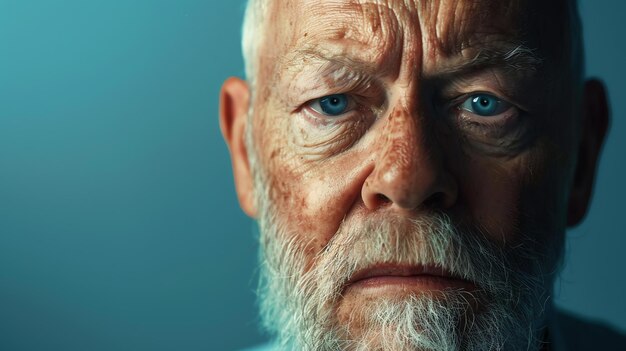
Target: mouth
409 278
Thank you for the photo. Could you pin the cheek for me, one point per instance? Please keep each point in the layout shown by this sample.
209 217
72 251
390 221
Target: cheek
512 197
547 189
310 198
490 192
309 208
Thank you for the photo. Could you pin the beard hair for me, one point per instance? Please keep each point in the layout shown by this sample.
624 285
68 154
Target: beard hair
300 296
301 306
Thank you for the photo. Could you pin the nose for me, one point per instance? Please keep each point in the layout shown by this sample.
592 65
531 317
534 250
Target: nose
408 170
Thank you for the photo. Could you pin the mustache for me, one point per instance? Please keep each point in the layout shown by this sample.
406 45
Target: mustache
430 241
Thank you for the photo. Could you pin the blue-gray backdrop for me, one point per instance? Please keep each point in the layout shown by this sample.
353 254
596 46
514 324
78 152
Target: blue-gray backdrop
119 227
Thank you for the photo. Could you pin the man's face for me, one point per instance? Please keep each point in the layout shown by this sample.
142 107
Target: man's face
410 153
425 113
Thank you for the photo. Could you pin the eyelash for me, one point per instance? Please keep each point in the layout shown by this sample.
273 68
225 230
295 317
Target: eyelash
359 108
455 108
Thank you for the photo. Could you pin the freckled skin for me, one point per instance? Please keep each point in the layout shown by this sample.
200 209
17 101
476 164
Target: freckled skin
406 162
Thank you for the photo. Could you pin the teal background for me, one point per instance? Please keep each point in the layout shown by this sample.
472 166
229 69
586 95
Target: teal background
119 227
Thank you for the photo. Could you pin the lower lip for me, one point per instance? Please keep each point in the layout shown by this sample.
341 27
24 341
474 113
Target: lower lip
419 283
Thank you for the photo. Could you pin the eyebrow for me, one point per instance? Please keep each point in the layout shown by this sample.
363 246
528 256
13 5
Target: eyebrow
518 57
507 56
332 62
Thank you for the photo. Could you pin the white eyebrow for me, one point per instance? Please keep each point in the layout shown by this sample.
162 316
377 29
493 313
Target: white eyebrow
505 55
516 57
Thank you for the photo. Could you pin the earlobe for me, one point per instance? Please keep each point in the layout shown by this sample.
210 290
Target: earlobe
234 107
595 123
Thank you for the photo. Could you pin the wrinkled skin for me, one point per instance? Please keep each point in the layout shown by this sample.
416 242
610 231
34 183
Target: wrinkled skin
406 147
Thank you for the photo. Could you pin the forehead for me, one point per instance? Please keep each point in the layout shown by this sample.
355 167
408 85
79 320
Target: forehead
383 30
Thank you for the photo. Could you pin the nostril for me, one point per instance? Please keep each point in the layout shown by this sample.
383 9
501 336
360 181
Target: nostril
435 200
382 199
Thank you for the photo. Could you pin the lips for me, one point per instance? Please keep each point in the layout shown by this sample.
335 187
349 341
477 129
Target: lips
422 277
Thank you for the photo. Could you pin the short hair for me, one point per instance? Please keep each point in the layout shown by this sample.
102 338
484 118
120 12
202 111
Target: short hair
252 36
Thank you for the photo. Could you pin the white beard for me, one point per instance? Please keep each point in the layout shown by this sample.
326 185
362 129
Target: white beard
301 306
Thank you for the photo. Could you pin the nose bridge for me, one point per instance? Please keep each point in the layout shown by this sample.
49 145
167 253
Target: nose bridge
407 169
403 139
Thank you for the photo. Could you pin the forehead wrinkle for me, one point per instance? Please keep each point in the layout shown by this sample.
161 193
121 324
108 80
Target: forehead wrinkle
445 28
445 24
394 34
449 26
362 30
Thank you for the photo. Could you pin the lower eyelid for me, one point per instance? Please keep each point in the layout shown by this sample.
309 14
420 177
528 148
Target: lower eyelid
321 120
321 137
499 119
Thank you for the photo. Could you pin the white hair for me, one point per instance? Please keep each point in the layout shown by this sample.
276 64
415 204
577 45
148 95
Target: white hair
252 38
302 309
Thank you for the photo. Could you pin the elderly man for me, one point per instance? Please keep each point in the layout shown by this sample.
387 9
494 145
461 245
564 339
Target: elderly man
413 165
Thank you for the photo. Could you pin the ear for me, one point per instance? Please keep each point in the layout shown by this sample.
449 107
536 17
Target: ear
595 122
234 107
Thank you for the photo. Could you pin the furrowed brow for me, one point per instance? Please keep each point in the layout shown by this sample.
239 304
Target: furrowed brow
516 58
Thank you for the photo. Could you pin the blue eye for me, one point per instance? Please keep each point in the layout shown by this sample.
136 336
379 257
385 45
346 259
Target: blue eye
484 105
332 105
